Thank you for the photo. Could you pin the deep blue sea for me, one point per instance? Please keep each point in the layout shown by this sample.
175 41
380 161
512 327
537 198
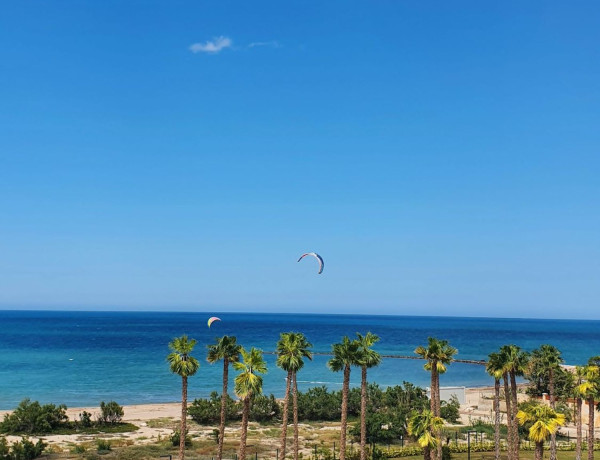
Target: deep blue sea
82 358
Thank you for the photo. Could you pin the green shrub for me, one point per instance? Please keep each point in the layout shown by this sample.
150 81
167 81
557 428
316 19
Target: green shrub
4 449
27 450
319 404
450 410
103 446
79 449
110 413
482 427
208 411
85 419
176 438
446 453
33 418
382 427
264 408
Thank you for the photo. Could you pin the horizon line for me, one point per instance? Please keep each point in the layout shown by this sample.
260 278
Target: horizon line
307 313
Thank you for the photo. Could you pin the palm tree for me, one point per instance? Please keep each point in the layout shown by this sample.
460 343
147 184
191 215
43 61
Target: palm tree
345 355
580 389
292 348
422 425
439 354
367 358
549 359
248 383
515 364
509 408
494 368
183 364
592 387
545 421
227 349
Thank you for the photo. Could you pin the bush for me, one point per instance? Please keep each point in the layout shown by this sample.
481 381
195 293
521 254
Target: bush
103 446
381 428
264 408
318 404
4 449
208 411
85 419
33 418
23 450
446 453
450 410
482 427
79 449
176 439
110 413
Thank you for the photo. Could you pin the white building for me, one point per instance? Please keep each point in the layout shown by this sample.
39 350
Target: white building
447 392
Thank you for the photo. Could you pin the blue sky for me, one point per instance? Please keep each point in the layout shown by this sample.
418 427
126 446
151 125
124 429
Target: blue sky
443 158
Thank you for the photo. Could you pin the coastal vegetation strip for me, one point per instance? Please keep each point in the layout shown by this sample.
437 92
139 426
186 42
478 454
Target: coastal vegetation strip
355 423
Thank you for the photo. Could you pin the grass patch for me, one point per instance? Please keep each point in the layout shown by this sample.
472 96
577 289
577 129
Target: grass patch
101 429
163 422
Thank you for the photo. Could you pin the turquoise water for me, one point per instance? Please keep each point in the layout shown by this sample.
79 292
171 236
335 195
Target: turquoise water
81 358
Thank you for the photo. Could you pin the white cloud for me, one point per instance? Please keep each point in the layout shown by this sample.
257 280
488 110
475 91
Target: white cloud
272 44
213 46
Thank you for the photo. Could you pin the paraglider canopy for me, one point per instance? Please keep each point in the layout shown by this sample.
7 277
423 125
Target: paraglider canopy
212 319
316 256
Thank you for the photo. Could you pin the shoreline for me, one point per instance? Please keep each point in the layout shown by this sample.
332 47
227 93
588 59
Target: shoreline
156 421
149 411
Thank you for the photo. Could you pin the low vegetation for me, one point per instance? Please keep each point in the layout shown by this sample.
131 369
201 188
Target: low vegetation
21 450
33 418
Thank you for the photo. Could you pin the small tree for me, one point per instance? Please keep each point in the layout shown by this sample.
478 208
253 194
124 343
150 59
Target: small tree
33 418
450 410
4 449
423 426
110 413
26 450
544 422
85 419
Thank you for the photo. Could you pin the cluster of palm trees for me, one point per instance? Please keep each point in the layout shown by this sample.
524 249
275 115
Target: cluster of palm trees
505 365
346 354
511 362
292 350
250 364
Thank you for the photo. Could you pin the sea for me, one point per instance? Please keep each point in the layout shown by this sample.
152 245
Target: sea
81 358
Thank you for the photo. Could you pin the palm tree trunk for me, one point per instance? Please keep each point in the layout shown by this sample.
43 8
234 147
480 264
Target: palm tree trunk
497 419
433 389
514 404
363 414
590 436
539 450
223 408
345 391
509 432
426 453
183 428
284 416
296 442
436 409
578 414
244 435
553 406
